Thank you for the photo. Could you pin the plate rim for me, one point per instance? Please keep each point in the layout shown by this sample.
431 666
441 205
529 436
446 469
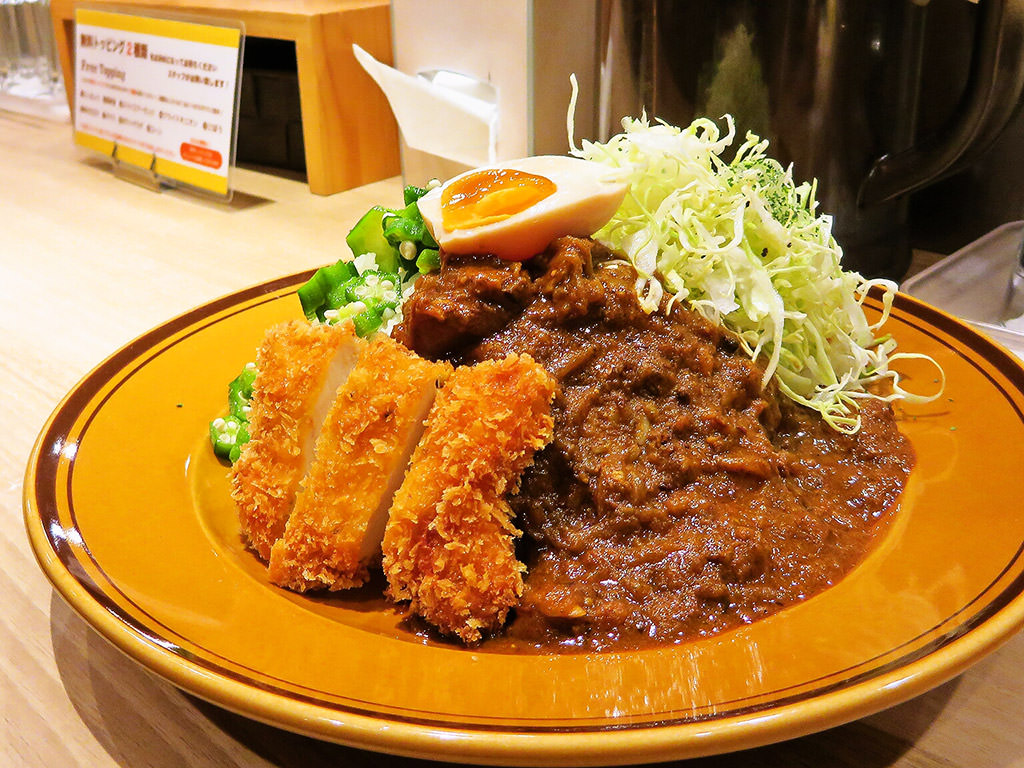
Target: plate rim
597 746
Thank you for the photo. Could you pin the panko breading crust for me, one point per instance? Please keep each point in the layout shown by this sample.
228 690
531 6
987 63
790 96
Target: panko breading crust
449 542
335 530
292 365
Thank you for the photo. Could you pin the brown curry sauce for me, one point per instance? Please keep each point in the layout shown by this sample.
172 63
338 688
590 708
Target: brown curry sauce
678 499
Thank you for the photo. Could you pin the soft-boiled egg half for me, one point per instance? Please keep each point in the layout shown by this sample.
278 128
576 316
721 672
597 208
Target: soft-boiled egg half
513 210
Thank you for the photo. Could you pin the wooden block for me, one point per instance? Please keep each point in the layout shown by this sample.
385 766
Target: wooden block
350 136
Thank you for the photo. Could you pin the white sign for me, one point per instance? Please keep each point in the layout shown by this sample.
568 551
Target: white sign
158 93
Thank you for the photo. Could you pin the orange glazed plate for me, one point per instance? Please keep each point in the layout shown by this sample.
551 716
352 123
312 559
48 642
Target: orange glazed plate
129 516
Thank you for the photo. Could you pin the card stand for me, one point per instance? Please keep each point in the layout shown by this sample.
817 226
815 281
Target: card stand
349 134
137 174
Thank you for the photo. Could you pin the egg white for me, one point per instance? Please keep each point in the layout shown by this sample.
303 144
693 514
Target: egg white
585 198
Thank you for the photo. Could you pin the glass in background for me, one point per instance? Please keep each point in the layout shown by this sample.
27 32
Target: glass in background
28 50
10 47
49 64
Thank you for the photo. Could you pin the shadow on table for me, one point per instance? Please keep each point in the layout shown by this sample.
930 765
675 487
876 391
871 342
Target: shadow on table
143 721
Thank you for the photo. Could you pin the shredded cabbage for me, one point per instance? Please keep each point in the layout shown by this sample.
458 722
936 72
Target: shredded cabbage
745 247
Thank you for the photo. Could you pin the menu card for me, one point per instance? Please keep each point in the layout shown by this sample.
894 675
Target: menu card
160 94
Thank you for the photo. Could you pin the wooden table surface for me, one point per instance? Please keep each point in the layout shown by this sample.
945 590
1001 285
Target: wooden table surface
88 262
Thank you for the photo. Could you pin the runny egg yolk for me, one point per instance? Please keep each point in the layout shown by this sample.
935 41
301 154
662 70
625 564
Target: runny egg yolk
491 195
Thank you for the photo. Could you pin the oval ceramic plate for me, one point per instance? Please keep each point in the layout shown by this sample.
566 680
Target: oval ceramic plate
129 516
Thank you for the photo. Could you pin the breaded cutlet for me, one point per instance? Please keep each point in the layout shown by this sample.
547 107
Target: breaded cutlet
449 542
334 532
299 367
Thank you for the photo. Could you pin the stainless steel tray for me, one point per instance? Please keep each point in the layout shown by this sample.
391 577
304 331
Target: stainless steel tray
972 283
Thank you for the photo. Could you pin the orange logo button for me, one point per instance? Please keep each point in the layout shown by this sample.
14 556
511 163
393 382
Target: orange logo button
201 155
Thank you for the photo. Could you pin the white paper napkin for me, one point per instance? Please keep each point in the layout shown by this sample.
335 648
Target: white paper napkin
437 119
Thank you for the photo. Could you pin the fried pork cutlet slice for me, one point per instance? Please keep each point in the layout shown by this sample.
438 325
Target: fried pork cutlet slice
299 367
449 542
334 533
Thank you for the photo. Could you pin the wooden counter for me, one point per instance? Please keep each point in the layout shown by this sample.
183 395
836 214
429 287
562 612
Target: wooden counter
87 262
